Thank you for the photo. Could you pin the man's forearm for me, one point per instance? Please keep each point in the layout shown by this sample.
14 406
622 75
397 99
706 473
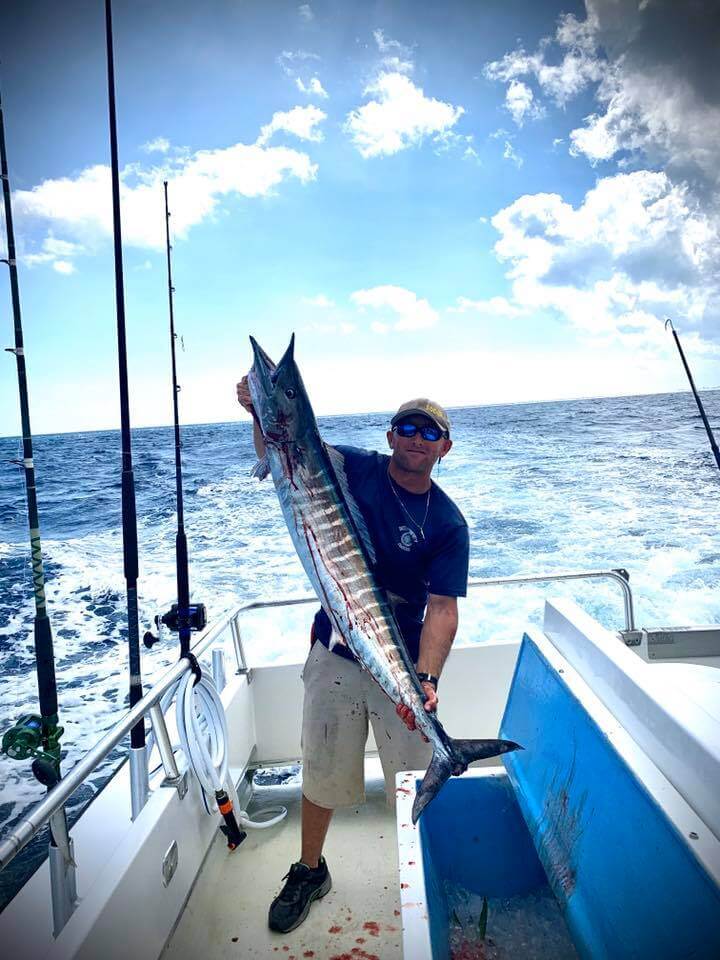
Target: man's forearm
258 439
438 633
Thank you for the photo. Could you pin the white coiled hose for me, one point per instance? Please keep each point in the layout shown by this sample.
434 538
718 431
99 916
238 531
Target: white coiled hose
204 739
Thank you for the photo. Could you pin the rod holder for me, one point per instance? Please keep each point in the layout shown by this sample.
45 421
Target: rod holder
218 669
162 740
63 884
139 780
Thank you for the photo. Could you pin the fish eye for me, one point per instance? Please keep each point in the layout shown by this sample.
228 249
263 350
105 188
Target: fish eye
290 393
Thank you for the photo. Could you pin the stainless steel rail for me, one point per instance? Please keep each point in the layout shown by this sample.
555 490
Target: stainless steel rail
27 828
618 576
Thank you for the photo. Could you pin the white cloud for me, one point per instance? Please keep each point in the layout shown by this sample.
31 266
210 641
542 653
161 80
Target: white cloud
306 13
493 307
290 60
300 122
61 248
158 145
299 66
510 154
81 205
325 303
654 67
399 116
56 252
409 312
313 88
328 328
395 56
656 113
637 248
462 142
520 103
64 266
579 66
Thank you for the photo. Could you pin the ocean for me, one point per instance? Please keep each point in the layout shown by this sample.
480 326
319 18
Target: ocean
624 482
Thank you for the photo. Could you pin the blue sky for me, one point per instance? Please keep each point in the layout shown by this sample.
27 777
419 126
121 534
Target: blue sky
483 202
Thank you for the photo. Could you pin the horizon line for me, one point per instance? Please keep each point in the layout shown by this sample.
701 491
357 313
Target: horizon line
362 413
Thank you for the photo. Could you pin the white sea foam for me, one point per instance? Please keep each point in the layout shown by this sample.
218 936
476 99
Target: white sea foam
548 487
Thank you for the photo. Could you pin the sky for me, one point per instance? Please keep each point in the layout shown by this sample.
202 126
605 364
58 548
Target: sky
481 202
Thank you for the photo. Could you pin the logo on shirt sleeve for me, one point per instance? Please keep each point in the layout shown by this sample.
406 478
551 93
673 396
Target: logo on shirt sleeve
408 539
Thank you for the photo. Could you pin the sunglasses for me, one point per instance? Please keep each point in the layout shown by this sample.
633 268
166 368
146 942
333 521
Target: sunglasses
428 431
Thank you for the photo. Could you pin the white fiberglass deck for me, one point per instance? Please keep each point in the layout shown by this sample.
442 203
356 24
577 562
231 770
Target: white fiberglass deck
226 915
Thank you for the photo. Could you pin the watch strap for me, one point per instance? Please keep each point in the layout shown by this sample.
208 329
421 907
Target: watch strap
428 678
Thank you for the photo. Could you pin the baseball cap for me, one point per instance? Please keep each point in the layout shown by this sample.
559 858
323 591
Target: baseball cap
426 408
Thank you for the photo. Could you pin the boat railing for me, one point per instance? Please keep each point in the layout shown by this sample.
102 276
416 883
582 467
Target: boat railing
63 881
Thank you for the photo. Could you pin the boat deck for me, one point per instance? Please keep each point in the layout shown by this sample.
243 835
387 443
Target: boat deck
226 914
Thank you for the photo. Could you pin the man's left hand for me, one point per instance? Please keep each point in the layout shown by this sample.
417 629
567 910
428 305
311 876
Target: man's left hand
431 703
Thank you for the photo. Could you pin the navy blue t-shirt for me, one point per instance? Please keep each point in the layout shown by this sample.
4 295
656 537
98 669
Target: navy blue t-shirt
408 565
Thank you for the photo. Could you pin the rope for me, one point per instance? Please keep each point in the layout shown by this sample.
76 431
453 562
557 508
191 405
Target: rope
202 728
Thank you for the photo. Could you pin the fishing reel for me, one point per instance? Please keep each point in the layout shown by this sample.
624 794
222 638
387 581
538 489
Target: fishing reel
195 619
30 737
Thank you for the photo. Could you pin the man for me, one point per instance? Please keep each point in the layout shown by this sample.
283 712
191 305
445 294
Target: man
421 544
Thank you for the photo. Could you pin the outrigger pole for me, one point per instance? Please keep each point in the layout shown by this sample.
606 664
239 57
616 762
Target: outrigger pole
711 438
138 756
32 735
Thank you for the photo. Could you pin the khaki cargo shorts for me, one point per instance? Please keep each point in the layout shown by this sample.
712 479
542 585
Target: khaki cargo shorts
340 698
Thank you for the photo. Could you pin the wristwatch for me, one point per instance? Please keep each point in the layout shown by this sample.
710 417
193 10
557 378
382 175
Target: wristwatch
428 678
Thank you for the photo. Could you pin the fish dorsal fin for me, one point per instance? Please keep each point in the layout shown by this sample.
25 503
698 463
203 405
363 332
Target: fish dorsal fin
337 461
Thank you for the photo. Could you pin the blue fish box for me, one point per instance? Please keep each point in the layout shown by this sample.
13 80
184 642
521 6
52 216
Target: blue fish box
583 847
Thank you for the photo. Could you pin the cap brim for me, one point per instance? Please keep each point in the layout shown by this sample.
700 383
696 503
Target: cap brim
416 411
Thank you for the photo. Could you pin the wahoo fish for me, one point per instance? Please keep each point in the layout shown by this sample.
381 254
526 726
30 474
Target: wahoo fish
334 546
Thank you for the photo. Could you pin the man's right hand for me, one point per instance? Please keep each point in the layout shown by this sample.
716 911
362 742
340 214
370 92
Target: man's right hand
243 395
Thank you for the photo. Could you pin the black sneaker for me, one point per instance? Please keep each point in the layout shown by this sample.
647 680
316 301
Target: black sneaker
292 904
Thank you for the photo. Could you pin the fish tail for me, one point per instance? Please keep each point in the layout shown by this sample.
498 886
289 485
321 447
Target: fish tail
443 766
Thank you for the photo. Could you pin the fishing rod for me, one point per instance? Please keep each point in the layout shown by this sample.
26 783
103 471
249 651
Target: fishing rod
184 618
711 438
32 735
138 758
